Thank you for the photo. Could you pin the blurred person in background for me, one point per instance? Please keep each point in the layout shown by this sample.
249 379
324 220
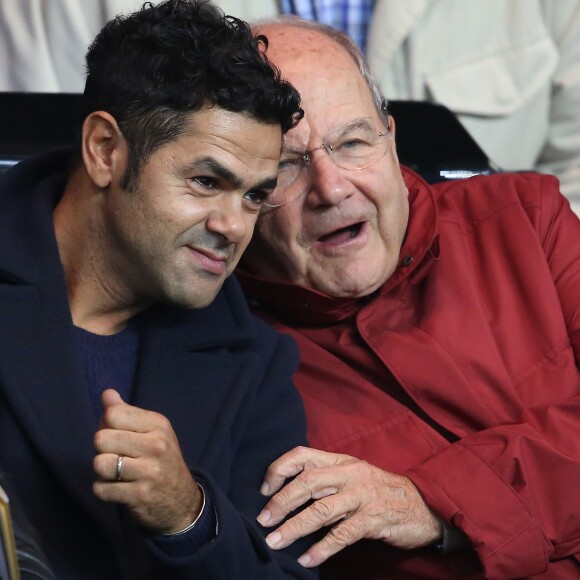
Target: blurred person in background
510 70
43 43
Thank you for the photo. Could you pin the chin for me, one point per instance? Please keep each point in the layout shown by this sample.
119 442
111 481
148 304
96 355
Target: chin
357 291
353 284
201 301
191 301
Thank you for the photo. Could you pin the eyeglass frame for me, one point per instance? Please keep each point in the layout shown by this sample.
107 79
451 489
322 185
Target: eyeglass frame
306 155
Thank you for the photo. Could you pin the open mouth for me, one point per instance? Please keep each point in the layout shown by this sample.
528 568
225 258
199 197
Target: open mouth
342 235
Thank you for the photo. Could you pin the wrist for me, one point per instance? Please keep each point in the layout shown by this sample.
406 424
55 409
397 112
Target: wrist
200 506
451 539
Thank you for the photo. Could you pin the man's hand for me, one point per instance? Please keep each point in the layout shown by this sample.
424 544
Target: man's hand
356 498
156 485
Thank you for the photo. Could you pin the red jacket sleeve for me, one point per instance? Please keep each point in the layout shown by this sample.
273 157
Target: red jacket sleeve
514 488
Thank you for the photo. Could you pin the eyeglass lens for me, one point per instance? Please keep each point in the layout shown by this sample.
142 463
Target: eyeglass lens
355 145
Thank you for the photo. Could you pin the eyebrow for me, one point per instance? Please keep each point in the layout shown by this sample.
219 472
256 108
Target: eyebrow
354 124
270 183
215 167
348 126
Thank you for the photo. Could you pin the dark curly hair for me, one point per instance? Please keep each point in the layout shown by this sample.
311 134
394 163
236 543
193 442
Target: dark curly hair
149 69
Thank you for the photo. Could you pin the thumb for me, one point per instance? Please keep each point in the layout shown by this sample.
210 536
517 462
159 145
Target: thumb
111 397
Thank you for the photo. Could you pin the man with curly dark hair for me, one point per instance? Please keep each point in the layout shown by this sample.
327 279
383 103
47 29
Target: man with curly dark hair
141 402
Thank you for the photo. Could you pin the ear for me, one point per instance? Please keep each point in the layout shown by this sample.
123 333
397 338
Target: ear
392 130
392 152
391 122
104 149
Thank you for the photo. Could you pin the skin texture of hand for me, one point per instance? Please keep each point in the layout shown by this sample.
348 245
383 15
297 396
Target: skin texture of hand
157 486
357 499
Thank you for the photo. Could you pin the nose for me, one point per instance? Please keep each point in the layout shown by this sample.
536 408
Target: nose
328 183
228 219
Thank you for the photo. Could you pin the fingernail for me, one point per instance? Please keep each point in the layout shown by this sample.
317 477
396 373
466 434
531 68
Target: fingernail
304 560
265 489
264 517
274 539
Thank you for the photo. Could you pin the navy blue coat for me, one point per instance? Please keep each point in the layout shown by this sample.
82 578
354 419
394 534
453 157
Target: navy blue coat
222 377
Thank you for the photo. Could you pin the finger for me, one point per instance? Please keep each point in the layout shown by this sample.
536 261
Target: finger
130 418
129 443
345 533
288 465
113 441
321 513
112 491
310 484
295 461
128 493
105 467
155 446
111 397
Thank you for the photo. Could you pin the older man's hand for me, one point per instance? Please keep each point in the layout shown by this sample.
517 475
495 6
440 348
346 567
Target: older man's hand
154 483
357 499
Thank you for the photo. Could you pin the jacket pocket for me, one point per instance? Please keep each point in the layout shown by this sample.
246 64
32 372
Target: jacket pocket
496 85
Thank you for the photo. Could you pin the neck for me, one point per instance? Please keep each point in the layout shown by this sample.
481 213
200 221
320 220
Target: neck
99 300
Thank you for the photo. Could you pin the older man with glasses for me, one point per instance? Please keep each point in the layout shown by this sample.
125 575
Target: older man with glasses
357 144
439 328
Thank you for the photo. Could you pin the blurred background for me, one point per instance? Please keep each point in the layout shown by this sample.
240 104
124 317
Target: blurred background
508 73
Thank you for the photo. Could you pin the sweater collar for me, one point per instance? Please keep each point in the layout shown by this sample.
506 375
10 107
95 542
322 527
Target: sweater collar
307 307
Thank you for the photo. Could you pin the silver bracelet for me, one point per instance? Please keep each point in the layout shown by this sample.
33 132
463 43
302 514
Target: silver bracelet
192 525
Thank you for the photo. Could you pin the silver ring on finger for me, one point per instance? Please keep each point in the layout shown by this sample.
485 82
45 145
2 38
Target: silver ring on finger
119 469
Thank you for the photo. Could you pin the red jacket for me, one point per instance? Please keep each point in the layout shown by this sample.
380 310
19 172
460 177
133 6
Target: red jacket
461 373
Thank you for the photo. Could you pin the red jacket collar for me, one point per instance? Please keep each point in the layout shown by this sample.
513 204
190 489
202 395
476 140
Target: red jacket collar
307 307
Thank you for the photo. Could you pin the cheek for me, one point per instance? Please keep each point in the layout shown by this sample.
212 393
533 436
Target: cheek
281 227
396 218
265 230
268 254
183 214
392 210
249 224
250 231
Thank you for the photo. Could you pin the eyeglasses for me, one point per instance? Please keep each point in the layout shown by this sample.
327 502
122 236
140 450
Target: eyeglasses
355 145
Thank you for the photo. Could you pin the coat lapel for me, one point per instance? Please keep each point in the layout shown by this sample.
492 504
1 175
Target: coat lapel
41 372
43 381
190 373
